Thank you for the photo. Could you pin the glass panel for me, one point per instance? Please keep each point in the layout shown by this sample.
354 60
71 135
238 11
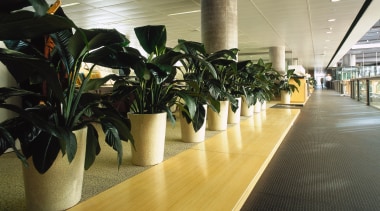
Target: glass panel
362 91
374 93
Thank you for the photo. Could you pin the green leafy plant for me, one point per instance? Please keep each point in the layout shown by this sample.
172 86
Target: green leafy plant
153 88
285 84
312 82
258 80
195 68
225 65
53 102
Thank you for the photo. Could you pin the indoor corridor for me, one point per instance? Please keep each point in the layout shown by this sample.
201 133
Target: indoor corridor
322 156
329 160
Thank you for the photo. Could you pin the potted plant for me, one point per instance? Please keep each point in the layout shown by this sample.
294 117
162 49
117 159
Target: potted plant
286 87
258 81
195 71
224 63
312 82
152 92
54 105
272 76
247 78
234 86
264 84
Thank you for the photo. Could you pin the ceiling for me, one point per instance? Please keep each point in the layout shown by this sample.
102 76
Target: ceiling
301 26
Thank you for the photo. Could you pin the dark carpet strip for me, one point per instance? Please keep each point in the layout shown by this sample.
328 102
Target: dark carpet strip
329 160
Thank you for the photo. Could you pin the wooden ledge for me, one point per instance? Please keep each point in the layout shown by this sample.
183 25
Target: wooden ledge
218 174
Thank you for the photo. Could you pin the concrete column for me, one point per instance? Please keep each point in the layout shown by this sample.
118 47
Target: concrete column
349 60
352 60
277 57
294 61
219 24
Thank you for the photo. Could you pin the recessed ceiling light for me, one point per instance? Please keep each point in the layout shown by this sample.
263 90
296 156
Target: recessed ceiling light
328 32
182 13
362 46
335 0
69 5
331 20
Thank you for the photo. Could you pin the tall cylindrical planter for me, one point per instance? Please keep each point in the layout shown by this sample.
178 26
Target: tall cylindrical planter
264 105
257 108
285 97
61 186
245 109
234 117
188 133
148 131
218 121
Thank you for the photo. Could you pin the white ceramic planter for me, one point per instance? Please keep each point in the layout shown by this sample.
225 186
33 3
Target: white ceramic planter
188 133
245 110
257 108
148 131
218 121
285 97
61 186
234 117
264 105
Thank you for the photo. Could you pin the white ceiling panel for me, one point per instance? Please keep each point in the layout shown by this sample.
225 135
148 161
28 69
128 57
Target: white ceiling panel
299 25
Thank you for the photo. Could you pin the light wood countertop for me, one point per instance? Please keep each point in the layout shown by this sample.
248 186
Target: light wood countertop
217 174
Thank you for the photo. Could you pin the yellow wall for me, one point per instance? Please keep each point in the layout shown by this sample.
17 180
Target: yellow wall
301 95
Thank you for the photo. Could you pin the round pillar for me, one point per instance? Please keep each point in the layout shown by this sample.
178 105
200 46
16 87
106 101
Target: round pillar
349 60
294 61
219 24
277 57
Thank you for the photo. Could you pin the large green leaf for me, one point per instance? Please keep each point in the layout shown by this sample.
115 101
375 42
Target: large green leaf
152 38
28 65
96 83
24 24
122 124
44 150
92 146
85 40
108 57
6 140
113 138
8 6
8 92
189 102
198 118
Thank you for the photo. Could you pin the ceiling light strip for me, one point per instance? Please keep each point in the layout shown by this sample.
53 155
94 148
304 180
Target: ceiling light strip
70 5
183 13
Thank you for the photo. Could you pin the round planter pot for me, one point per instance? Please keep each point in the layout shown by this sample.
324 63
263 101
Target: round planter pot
285 97
257 108
218 121
234 117
148 131
264 105
61 186
245 110
188 133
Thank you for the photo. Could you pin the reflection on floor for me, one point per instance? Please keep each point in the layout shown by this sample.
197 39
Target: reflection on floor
217 174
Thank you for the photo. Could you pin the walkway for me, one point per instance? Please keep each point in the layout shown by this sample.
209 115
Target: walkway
329 160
